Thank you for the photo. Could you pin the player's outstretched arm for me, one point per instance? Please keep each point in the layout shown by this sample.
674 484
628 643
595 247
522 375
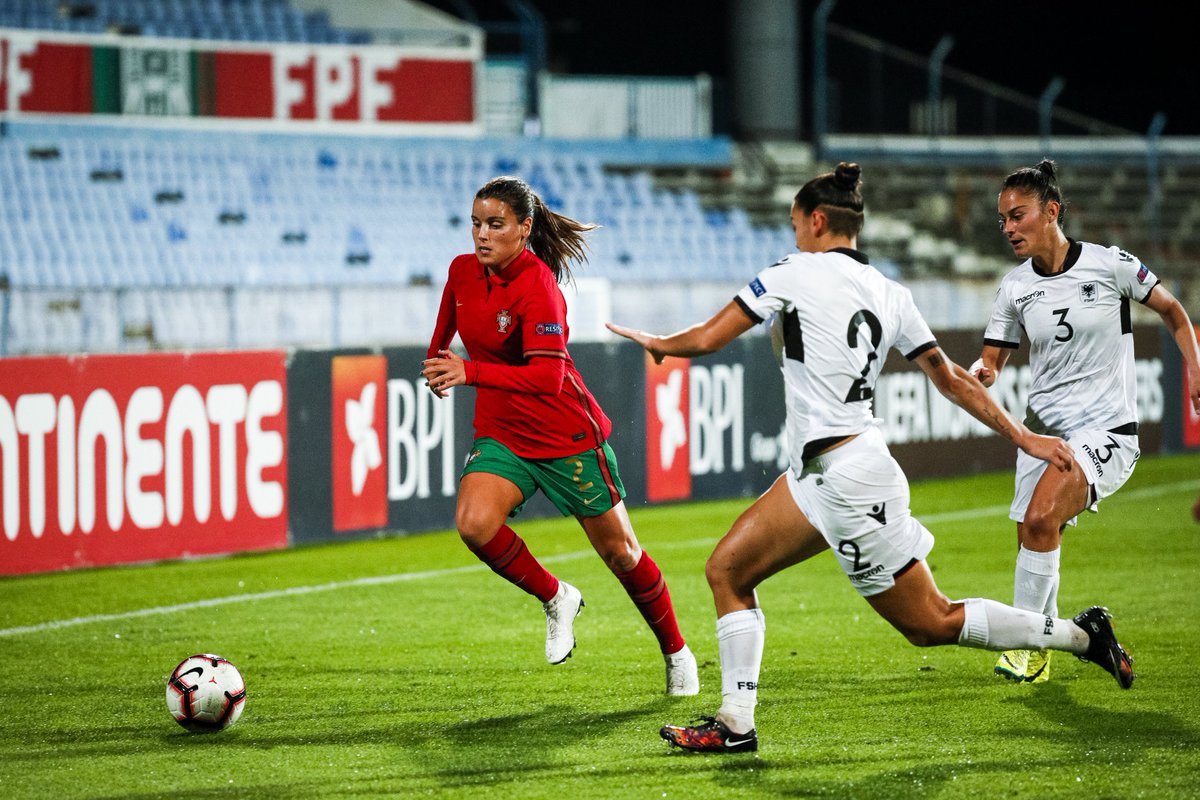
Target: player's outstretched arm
963 389
698 340
1180 327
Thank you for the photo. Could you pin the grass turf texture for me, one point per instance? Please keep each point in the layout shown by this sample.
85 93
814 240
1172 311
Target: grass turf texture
432 682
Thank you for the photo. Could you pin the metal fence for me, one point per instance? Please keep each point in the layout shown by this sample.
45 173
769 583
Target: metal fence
875 87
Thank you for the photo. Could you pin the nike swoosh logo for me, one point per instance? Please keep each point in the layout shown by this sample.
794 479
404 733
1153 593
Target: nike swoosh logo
733 743
589 500
458 304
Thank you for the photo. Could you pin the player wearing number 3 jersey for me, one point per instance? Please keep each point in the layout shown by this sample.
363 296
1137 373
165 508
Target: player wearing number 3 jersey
1072 301
835 319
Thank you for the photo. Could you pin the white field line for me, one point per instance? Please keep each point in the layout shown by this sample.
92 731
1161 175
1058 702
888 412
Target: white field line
402 577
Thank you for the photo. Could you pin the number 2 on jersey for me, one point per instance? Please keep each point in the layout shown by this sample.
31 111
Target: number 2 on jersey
859 390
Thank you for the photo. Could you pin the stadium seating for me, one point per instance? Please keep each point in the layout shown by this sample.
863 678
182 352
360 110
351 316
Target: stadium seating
120 208
226 20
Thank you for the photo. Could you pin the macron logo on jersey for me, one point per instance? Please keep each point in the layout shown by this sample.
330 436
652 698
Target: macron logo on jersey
757 287
1031 296
548 329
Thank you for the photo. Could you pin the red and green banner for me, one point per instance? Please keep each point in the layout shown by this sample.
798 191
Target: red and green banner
44 73
70 78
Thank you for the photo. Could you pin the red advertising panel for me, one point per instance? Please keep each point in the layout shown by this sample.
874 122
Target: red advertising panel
1191 421
117 459
668 475
359 388
243 86
427 90
52 77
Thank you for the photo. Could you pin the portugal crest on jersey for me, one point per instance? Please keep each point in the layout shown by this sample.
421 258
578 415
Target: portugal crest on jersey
503 320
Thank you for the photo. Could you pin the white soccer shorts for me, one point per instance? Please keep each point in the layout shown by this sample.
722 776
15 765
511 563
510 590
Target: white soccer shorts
1107 460
857 497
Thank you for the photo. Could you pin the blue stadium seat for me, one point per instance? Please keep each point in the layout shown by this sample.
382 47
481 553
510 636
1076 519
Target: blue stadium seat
163 209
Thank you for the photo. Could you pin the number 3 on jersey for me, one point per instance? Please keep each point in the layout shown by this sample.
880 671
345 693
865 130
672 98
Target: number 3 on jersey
859 390
1068 331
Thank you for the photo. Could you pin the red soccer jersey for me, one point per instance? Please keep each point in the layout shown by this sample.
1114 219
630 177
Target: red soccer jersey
529 396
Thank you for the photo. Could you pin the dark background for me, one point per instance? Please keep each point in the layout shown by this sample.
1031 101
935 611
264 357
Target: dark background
1121 62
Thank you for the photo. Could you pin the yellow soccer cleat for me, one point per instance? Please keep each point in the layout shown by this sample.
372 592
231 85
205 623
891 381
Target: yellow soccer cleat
1013 665
1038 668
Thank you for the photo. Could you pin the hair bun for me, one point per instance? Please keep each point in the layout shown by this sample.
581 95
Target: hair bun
847 175
1048 167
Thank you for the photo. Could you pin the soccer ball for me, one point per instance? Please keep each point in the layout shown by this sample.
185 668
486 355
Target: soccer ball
206 693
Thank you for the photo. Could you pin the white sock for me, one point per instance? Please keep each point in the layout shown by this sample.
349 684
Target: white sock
994 626
1051 607
740 638
1036 580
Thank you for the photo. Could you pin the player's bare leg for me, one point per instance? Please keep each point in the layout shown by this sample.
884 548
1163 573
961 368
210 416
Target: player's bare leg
770 536
916 608
612 536
919 610
484 501
1057 498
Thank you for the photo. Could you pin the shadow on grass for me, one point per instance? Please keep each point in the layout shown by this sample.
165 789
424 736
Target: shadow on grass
536 744
1100 736
1135 731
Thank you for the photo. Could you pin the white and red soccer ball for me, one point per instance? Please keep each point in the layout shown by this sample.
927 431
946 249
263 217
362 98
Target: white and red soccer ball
206 693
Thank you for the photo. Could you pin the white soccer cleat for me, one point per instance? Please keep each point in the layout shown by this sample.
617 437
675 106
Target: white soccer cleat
561 611
682 678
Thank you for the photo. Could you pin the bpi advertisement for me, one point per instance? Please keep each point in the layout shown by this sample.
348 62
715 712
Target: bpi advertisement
117 459
380 451
714 425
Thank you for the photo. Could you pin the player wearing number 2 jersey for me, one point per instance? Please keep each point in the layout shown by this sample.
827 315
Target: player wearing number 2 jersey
1072 301
836 317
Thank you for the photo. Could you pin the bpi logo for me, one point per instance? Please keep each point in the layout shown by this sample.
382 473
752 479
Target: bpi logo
388 436
690 411
359 485
667 473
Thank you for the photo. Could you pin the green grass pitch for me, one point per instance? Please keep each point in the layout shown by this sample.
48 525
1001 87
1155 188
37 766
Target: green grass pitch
401 667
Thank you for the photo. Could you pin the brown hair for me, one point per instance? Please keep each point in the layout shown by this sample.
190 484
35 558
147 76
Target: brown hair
1041 182
840 193
554 238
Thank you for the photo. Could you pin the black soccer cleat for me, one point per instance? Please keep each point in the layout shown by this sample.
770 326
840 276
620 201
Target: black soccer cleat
711 737
1103 648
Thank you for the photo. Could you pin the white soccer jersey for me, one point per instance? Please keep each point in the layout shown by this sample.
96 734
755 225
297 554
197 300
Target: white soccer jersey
1080 337
837 317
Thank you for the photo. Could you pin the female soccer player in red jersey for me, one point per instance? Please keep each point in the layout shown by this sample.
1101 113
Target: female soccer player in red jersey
536 424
